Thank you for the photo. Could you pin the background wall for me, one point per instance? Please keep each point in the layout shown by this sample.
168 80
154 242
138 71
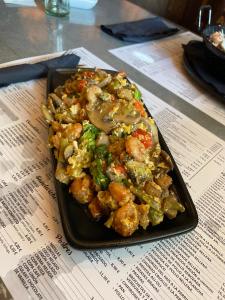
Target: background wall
184 12
158 7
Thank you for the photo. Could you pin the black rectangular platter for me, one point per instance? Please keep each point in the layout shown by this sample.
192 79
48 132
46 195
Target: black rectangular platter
84 233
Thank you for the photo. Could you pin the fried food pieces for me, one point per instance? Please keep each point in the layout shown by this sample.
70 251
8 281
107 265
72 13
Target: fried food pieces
108 152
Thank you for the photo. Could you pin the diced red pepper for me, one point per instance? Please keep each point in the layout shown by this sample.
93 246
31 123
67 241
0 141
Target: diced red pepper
81 84
144 136
88 74
120 169
139 107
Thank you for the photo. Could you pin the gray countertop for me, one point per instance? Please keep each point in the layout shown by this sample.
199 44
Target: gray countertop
28 31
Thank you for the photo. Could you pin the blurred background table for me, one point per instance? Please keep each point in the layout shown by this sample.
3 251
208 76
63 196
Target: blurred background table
184 12
28 31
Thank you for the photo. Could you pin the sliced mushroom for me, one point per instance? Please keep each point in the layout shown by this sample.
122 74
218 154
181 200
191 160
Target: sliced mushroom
125 94
92 94
123 118
47 113
96 118
102 139
68 151
167 159
106 120
56 100
105 81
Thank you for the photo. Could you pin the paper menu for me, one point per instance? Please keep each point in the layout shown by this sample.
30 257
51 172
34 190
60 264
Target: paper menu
162 61
36 261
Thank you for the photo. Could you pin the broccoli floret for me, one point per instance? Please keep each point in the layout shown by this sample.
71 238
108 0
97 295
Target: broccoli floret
138 171
137 94
142 195
98 175
84 153
171 206
155 216
102 158
101 152
89 135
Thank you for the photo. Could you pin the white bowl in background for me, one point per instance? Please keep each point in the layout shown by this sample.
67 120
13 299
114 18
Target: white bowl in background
83 4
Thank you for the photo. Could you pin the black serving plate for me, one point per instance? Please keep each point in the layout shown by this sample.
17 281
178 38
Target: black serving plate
84 233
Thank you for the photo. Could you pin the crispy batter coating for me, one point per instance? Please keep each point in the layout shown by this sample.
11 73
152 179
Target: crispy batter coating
126 219
81 189
120 193
135 148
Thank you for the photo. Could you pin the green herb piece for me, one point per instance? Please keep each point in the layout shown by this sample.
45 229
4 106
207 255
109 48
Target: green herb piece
137 94
89 135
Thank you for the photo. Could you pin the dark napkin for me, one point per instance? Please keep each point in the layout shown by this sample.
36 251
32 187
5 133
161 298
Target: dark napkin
25 72
140 31
209 71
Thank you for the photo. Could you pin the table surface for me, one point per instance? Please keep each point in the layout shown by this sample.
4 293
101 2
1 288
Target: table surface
28 31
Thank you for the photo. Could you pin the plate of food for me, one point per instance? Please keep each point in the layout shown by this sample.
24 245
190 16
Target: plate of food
116 181
213 35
